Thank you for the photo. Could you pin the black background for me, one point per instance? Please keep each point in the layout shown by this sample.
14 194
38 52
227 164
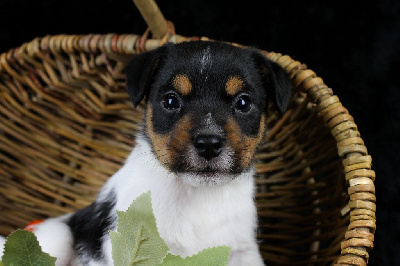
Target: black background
353 45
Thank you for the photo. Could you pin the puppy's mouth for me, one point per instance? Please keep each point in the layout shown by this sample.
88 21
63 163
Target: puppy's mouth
210 172
206 178
222 164
195 171
199 172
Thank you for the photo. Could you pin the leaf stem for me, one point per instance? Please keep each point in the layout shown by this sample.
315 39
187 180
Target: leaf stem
140 238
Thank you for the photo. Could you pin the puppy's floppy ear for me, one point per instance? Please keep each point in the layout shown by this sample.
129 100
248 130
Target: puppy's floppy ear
140 73
276 80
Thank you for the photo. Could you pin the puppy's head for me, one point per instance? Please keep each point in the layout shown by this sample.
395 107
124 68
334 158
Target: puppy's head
207 104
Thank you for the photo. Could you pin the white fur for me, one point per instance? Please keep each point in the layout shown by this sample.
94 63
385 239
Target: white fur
205 60
2 243
56 239
189 218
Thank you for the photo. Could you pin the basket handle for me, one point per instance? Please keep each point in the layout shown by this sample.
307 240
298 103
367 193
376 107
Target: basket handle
153 17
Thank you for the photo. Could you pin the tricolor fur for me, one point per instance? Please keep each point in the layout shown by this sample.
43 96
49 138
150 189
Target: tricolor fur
206 113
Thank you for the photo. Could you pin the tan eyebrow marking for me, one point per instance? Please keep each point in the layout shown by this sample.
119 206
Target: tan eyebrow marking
234 85
182 84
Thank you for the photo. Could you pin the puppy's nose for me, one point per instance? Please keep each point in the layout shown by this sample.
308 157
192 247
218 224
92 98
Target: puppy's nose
208 146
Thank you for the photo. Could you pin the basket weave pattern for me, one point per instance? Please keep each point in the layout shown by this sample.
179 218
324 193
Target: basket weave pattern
67 125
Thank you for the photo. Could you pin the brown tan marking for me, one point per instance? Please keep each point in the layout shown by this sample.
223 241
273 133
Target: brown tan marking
168 147
158 141
234 85
182 84
180 138
244 146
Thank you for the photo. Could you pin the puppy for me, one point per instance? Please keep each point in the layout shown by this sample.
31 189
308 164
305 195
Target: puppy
206 113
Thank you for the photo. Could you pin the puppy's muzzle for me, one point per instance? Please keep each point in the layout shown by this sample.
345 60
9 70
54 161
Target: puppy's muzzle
208 146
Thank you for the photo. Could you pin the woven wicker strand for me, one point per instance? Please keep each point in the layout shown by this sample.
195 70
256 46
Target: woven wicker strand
359 238
66 125
153 17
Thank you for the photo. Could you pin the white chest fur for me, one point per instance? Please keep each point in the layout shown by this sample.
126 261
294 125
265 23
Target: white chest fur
189 219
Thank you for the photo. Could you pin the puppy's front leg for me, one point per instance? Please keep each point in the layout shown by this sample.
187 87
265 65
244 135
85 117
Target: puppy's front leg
55 238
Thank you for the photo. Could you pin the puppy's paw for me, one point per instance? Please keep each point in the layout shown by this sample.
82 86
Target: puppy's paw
55 238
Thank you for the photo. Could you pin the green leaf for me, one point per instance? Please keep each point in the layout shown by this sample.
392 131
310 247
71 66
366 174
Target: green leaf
22 248
137 241
217 256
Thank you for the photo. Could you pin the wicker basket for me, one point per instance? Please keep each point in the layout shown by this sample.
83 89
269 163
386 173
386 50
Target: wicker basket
67 125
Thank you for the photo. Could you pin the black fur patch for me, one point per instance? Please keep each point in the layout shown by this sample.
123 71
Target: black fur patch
90 224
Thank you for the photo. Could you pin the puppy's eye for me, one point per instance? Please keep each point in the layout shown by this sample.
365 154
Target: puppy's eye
171 102
243 103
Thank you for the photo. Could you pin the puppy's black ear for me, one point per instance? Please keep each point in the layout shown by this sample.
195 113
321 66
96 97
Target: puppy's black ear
141 71
276 80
